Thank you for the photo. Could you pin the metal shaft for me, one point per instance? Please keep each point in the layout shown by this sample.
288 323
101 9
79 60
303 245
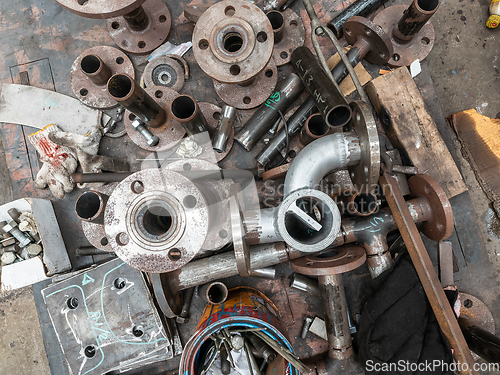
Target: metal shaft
414 18
95 69
481 342
262 348
269 112
278 24
226 122
137 19
130 95
82 178
187 111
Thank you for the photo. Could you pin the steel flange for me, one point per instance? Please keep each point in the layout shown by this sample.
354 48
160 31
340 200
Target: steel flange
100 9
164 71
290 32
330 261
91 70
365 175
151 217
233 41
154 33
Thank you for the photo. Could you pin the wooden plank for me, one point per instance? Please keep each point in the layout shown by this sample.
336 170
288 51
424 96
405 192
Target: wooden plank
412 130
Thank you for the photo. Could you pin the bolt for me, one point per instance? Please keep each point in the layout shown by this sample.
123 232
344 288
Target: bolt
150 138
23 238
305 328
14 214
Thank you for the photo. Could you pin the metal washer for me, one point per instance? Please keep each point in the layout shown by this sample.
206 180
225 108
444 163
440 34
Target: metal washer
89 93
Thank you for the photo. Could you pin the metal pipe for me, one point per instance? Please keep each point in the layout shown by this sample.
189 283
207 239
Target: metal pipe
187 111
90 206
130 95
305 284
278 24
299 117
331 102
360 204
260 226
314 128
324 155
263 350
358 8
480 341
414 18
213 293
226 122
83 178
137 19
265 273
269 112
94 68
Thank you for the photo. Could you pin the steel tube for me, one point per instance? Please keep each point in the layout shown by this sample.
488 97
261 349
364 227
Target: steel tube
130 95
269 112
305 284
358 8
481 342
329 100
213 293
314 128
90 207
187 111
336 318
226 122
414 18
260 226
278 24
94 68
137 19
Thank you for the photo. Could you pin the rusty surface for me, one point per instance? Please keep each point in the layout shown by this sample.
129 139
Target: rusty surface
477 312
314 128
147 40
427 275
294 34
100 9
193 12
164 71
221 58
251 95
276 173
405 52
96 95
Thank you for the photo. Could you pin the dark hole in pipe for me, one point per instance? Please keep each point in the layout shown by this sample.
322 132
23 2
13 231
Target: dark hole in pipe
233 42
216 293
90 64
157 220
183 107
119 86
339 116
317 126
276 19
87 206
365 203
428 5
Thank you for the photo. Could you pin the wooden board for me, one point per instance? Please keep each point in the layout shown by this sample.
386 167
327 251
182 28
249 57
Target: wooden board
412 130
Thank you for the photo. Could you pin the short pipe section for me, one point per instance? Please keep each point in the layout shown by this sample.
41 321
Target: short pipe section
187 112
214 293
414 18
361 204
314 128
123 89
95 69
137 19
278 24
226 122
90 207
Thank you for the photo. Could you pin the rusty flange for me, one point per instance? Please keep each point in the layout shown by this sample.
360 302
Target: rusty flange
365 175
405 52
330 261
152 36
151 217
233 41
94 232
370 38
169 134
439 225
100 9
164 71
250 95
289 30
97 60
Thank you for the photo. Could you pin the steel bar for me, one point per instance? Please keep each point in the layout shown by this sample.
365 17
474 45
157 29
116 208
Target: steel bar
427 274
82 178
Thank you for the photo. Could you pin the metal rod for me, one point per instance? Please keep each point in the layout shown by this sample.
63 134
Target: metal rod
414 18
226 122
213 293
187 111
130 95
184 315
137 19
305 284
262 348
94 68
481 342
83 178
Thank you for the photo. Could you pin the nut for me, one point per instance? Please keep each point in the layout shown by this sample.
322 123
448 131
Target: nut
33 250
8 258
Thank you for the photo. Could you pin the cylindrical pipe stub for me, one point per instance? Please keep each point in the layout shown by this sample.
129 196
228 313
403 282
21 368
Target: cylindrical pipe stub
278 24
122 88
226 122
90 206
336 319
137 19
187 112
214 293
314 128
305 284
414 18
361 204
265 273
94 68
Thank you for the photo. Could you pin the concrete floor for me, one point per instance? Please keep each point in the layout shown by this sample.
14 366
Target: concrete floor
465 69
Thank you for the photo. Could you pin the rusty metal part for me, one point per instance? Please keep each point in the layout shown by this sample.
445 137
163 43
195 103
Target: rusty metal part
150 218
357 204
184 315
213 293
427 275
122 88
169 301
249 95
232 41
412 34
329 99
273 4
193 12
314 128
305 284
165 71
480 341
224 127
241 250
269 112
329 265
83 178
170 132
276 173
90 73
100 9
445 261
392 167
90 206
358 8
264 351
365 174
151 139
143 29
186 111
289 33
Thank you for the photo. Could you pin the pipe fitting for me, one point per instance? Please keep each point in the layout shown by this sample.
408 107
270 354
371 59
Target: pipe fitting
90 206
187 112
213 293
